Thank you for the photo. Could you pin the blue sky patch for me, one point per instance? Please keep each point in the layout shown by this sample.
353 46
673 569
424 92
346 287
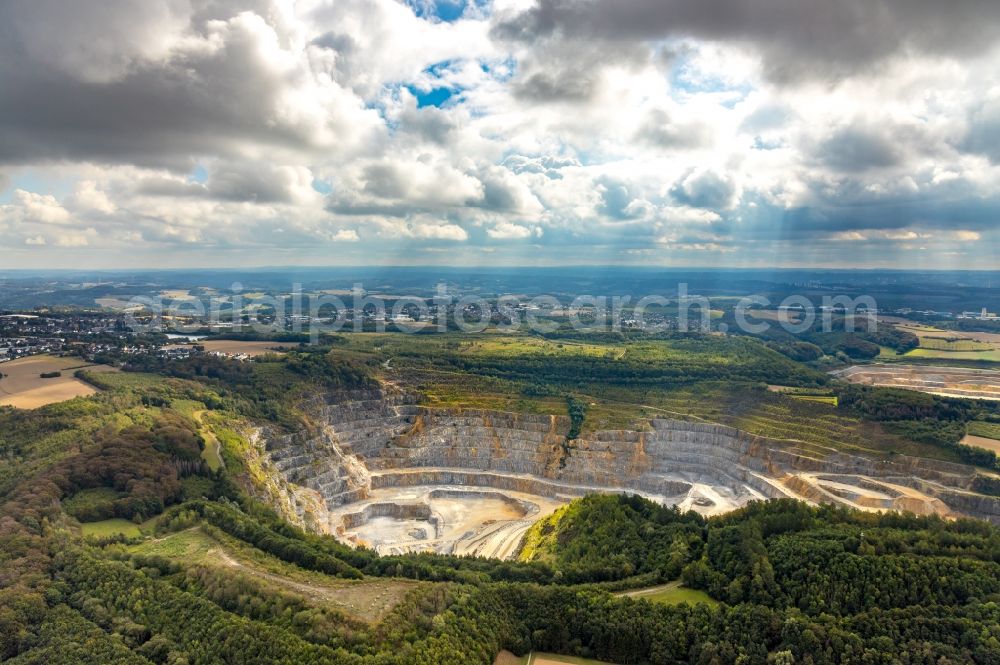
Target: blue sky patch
30 181
199 174
685 79
447 11
436 97
322 186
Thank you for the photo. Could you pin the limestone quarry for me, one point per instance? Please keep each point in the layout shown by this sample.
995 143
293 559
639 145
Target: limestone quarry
375 468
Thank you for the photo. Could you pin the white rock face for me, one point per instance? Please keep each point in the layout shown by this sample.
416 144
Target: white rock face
377 469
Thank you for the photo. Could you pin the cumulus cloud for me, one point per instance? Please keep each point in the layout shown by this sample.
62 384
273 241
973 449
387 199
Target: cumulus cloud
223 86
88 197
707 189
31 208
345 235
510 231
600 131
430 230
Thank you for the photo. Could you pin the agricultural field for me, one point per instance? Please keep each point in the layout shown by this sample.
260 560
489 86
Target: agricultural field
991 356
541 658
233 347
24 387
937 343
983 442
984 429
983 435
937 380
118 304
932 332
949 344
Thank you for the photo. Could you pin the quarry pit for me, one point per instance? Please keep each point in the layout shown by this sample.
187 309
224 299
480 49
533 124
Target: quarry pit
376 468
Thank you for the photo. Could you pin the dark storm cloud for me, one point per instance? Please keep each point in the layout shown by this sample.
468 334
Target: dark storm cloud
798 39
154 116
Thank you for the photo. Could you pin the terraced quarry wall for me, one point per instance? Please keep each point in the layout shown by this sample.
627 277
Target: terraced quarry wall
374 455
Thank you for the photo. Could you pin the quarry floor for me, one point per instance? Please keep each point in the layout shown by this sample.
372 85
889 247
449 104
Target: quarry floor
481 521
477 521
490 522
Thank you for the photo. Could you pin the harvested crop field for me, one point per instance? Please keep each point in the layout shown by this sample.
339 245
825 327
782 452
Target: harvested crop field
938 333
981 442
23 387
989 355
948 344
539 658
947 381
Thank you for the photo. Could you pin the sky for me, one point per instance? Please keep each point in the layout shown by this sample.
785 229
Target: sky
740 133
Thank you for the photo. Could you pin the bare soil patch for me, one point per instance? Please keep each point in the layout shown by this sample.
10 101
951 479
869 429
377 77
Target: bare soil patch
24 388
507 658
981 442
